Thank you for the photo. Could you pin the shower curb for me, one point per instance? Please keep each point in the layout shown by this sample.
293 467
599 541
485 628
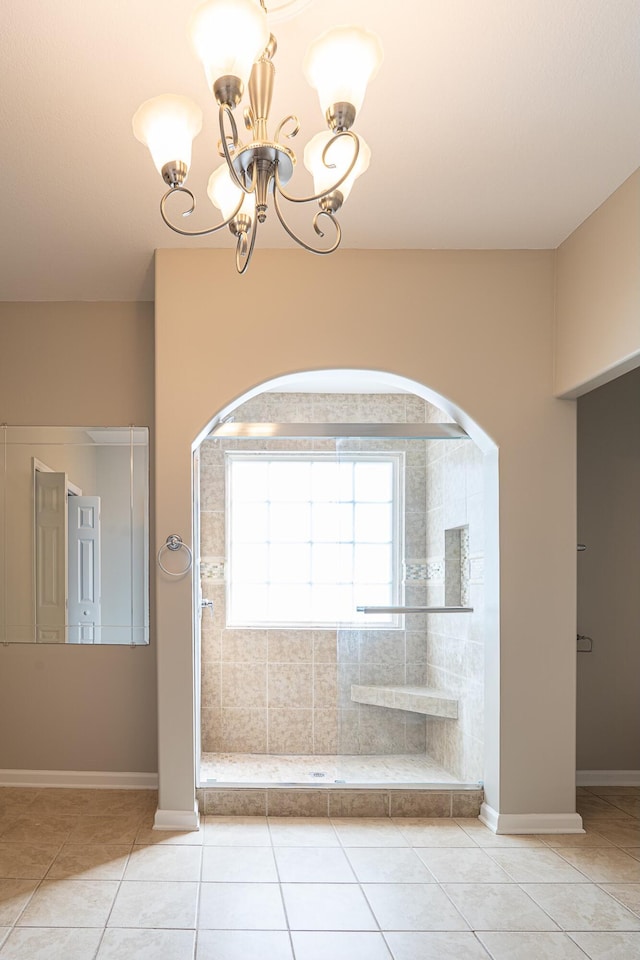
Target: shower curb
334 801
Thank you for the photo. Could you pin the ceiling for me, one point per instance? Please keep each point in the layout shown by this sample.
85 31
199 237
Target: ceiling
493 124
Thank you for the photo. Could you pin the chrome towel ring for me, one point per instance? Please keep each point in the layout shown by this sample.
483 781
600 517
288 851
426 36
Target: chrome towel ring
175 542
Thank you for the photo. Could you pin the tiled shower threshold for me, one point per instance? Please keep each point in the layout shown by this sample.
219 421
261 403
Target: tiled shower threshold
360 786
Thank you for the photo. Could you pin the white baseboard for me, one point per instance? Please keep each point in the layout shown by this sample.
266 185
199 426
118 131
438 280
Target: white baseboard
608 778
177 819
96 779
519 823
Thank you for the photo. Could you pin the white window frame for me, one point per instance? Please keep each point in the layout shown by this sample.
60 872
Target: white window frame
368 621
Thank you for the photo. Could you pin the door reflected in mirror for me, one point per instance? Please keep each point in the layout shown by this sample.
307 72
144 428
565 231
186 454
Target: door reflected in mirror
74 558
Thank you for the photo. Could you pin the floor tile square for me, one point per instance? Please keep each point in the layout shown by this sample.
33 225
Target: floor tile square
595 808
354 832
340 946
39 829
243 945
14 896
536 866
609 946
241 906
146 944
70 903
326 906
530 946
237 864
628 894
497 906
26 861
435 945
388 865
462 865
623 833
589 839
104 830
412 906
164 904
164 863
604 864
434 833
47 943
313 865
302 832
87 861
593 909
237 831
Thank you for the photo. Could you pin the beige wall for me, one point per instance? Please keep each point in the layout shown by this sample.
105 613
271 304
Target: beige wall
598 295
477 328
608 575
73 707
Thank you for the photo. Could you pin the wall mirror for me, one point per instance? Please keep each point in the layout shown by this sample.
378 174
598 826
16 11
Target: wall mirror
74 535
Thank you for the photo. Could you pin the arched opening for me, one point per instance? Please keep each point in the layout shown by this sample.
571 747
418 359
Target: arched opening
297 685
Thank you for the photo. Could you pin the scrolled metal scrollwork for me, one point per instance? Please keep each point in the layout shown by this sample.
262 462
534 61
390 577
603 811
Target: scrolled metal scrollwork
244 248
337 184
296 128
187 213
225 111
319 232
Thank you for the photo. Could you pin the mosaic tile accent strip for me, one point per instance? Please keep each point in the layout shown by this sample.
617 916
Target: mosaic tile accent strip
415 570
212 568
464 567
435 570
422 570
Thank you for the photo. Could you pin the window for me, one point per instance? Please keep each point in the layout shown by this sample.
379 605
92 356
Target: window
311 537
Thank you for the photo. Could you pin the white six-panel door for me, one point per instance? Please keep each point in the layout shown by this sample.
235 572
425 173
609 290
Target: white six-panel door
84 569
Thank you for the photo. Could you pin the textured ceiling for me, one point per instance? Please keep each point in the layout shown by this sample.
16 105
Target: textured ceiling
500 124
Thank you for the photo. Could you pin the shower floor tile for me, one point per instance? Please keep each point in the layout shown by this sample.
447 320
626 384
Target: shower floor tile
261 769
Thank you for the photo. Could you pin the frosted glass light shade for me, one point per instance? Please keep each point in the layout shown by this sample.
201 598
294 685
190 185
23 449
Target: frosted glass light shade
340 154
340 64
225 195
228 35
167 125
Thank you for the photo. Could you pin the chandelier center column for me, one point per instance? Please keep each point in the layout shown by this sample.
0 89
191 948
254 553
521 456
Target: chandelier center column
260 94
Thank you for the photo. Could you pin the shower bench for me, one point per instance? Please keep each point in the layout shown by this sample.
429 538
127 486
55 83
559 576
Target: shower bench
425 700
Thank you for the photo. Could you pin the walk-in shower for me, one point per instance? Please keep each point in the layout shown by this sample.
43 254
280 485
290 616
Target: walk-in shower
340 588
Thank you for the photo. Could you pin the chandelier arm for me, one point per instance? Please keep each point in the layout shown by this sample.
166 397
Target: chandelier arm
187 213
294 132
303 243
224 109
338 183
243 260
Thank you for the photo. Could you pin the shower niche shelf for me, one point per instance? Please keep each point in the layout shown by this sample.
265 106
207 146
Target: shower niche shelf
426 700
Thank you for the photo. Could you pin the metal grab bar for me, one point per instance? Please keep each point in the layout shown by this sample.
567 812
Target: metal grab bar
414 609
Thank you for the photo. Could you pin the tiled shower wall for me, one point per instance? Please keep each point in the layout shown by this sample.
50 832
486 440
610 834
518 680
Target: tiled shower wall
288 691
455 646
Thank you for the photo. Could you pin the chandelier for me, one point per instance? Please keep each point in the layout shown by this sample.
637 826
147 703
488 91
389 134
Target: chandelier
232 39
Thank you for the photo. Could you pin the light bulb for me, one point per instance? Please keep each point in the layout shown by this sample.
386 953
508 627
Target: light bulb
167 125
340 153
225 195
339 64
228 36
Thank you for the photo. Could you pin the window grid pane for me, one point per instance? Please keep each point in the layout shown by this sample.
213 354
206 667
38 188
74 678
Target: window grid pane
312 536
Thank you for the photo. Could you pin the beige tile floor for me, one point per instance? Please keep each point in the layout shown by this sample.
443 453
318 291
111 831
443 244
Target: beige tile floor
83 877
